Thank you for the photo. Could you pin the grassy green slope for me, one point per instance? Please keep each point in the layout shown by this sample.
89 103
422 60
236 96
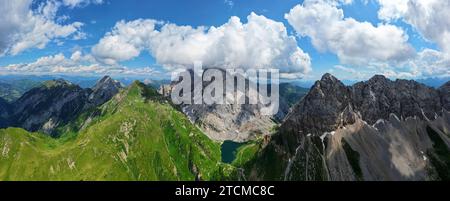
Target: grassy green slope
138 136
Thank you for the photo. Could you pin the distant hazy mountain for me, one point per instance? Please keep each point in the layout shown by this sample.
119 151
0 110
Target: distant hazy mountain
82 81
374 130
434 82
11 90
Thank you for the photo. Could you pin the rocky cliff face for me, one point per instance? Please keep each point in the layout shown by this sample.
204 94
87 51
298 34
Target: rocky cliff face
57 102
374 130
47 106
104 90
236 122
222 122
393 149
379 97
331 105
328 102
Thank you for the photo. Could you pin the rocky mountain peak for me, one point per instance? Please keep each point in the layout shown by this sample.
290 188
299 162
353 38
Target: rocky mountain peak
60 83
334 122
105 78
330 104
379 79
328 84
328 80
328 77
104 90
107 82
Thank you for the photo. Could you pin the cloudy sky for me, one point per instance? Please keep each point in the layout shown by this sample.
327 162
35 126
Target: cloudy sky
353 39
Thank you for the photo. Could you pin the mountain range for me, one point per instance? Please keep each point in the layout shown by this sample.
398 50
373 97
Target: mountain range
374 130
136 135
57 102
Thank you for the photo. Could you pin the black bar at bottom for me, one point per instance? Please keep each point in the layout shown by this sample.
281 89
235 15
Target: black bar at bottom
226 190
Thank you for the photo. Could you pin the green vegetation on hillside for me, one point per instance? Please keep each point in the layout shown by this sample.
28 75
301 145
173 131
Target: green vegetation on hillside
246 153
135 136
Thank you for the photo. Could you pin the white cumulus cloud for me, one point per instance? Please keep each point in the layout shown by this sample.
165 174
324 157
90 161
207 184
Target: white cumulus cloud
78 63
80 3
22 28
259 43
354 42
431 63
430 18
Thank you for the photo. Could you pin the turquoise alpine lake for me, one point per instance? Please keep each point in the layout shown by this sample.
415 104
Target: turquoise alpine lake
229 149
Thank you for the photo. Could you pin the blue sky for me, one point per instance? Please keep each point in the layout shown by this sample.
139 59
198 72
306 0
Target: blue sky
100 17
